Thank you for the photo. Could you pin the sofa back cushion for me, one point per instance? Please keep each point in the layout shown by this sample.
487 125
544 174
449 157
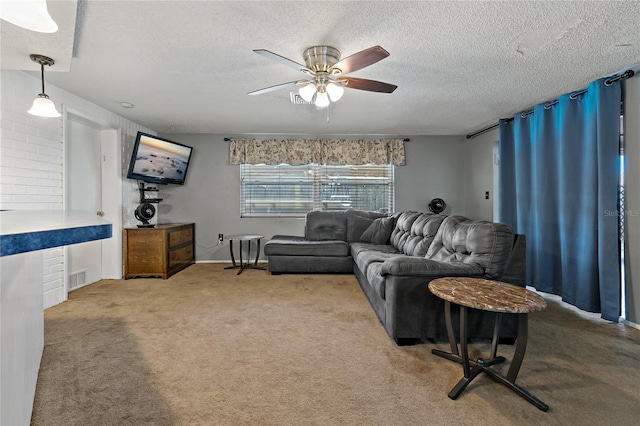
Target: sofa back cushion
402 229
462 240
423 231
326 225
358 221
379 231
414 232
344 225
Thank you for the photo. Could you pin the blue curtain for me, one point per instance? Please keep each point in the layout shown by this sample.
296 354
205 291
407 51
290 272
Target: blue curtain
559 185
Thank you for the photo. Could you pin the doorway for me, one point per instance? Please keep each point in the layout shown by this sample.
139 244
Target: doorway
93 185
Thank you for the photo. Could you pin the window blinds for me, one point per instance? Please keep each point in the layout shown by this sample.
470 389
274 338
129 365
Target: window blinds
284 190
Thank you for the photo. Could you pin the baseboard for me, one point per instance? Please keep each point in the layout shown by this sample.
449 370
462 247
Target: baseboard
225 261
631 324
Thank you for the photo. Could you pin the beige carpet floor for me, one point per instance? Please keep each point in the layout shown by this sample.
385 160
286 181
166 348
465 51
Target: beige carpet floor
208 347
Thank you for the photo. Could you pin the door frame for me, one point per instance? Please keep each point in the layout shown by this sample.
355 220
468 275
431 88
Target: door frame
111 146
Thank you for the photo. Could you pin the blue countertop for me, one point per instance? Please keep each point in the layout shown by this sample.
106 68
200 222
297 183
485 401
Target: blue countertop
23 231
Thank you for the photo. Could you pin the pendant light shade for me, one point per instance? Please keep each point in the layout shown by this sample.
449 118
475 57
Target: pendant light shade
335 91
30 14
42 105
322 99
307 92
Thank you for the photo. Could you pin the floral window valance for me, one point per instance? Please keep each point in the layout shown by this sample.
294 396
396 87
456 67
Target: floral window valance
297 152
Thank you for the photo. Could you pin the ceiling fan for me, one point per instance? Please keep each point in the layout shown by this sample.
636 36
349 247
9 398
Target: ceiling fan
326 72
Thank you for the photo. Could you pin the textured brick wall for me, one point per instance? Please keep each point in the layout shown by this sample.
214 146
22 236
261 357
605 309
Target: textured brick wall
32 158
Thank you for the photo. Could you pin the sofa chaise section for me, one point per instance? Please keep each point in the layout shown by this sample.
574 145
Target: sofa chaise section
325 247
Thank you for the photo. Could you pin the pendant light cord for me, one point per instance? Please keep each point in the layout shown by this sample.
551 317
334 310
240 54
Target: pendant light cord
42 75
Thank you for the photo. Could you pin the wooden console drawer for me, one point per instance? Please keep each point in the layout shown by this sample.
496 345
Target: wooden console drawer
181 236
158 252
180 256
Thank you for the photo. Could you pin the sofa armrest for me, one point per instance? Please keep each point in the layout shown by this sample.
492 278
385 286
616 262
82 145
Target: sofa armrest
420 266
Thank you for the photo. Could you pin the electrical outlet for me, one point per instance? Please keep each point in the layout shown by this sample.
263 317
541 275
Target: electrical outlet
220 237
486 195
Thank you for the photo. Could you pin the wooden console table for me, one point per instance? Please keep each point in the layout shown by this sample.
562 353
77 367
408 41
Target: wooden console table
491 296
158 252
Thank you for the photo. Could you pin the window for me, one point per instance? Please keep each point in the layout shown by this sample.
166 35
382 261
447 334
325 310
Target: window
292 191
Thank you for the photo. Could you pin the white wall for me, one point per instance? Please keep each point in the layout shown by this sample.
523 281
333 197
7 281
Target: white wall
211 194
479 175
32 160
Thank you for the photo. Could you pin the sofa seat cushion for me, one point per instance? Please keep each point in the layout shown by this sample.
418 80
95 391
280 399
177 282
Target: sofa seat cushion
365 258
298 246
419 266
362 246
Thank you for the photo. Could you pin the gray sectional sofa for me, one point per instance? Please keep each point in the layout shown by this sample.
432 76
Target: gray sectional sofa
395 256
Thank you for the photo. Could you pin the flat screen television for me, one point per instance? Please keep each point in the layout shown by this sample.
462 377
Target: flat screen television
159 160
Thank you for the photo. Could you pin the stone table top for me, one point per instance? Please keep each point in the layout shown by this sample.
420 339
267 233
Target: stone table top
487 295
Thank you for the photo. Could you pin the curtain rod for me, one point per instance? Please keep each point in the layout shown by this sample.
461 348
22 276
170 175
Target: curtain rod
479 132
405 139
574 95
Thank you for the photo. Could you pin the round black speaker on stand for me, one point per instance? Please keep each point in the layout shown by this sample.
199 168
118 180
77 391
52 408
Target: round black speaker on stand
144 213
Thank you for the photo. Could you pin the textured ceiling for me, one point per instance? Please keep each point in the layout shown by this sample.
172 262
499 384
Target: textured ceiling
459 66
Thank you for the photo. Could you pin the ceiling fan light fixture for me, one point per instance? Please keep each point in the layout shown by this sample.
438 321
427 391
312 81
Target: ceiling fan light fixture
307 92
43 107
30 14
322 99
335 91
323 65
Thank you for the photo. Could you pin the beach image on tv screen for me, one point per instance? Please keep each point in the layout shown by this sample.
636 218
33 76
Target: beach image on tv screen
161 159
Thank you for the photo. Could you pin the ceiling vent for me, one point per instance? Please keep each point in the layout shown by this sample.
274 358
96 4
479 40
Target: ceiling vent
297 99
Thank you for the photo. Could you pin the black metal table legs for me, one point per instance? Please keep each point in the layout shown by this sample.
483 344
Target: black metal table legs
244 265
471 368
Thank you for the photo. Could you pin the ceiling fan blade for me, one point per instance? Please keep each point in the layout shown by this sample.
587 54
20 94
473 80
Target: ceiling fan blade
276 87
370 85
359 60
284 61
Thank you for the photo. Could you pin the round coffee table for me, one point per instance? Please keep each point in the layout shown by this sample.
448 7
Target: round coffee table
247 264
491 296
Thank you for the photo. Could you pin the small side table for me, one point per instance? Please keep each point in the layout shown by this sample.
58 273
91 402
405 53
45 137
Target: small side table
248 264
491 296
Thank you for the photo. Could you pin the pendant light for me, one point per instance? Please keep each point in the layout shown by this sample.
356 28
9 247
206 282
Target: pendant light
30 14
42 105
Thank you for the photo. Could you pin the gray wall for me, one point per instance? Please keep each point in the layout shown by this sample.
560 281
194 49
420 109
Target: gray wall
211 194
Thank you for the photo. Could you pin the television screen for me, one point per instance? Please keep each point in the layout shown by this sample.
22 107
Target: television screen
159 160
